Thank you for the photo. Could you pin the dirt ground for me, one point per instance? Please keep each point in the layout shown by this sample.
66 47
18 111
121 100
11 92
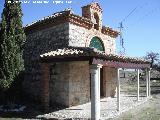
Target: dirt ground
147 111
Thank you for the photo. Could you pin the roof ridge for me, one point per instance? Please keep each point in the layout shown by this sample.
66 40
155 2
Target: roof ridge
56 14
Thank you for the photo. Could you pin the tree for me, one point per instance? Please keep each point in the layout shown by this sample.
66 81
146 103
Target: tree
153 57
11 41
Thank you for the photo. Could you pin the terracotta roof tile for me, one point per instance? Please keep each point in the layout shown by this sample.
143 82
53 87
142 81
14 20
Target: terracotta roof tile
68 13
91 52
50 17
61 52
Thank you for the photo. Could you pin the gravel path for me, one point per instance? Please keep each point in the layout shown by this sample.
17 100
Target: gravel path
108 109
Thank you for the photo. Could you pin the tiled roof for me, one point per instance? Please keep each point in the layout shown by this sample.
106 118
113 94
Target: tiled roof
91 52
67 16
63 52
58 18
57 14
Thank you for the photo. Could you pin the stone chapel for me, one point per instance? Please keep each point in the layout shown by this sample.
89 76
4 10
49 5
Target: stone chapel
61 51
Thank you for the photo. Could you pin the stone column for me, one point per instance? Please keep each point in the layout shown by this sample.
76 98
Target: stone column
146 82
137 84
45 86
118 90
99 85
95 92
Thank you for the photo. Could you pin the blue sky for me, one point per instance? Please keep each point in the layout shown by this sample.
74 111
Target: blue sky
141 29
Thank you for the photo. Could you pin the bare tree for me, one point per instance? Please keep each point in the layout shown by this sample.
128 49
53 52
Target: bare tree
153 56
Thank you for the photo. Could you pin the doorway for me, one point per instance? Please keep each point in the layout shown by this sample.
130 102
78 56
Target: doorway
101 83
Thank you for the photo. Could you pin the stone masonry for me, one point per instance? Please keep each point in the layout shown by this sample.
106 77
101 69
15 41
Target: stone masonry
81 37
36 44
69 82
110 81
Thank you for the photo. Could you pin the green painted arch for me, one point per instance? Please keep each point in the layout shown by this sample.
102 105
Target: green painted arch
97 43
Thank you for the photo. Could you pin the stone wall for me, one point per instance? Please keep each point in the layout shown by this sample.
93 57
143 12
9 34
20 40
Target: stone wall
70 83
49 39
59 83
81 37
79 83
109 81
36 44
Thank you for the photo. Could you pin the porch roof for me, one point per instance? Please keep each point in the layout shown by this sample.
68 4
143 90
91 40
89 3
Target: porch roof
96 57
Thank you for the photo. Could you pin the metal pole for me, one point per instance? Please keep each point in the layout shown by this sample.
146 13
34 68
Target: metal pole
146 82
149 85
137 84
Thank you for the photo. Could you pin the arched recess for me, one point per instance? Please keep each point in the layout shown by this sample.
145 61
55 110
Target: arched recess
97 43
96 22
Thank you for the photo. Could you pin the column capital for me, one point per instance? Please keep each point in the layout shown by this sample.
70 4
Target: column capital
148 69
94 67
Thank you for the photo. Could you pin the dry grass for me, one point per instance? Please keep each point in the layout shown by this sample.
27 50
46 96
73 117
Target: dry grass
147 111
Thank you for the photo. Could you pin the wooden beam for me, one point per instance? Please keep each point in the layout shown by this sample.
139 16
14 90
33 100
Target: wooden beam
120 64
65 59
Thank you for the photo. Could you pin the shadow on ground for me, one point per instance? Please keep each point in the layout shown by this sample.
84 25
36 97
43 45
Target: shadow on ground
31 112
